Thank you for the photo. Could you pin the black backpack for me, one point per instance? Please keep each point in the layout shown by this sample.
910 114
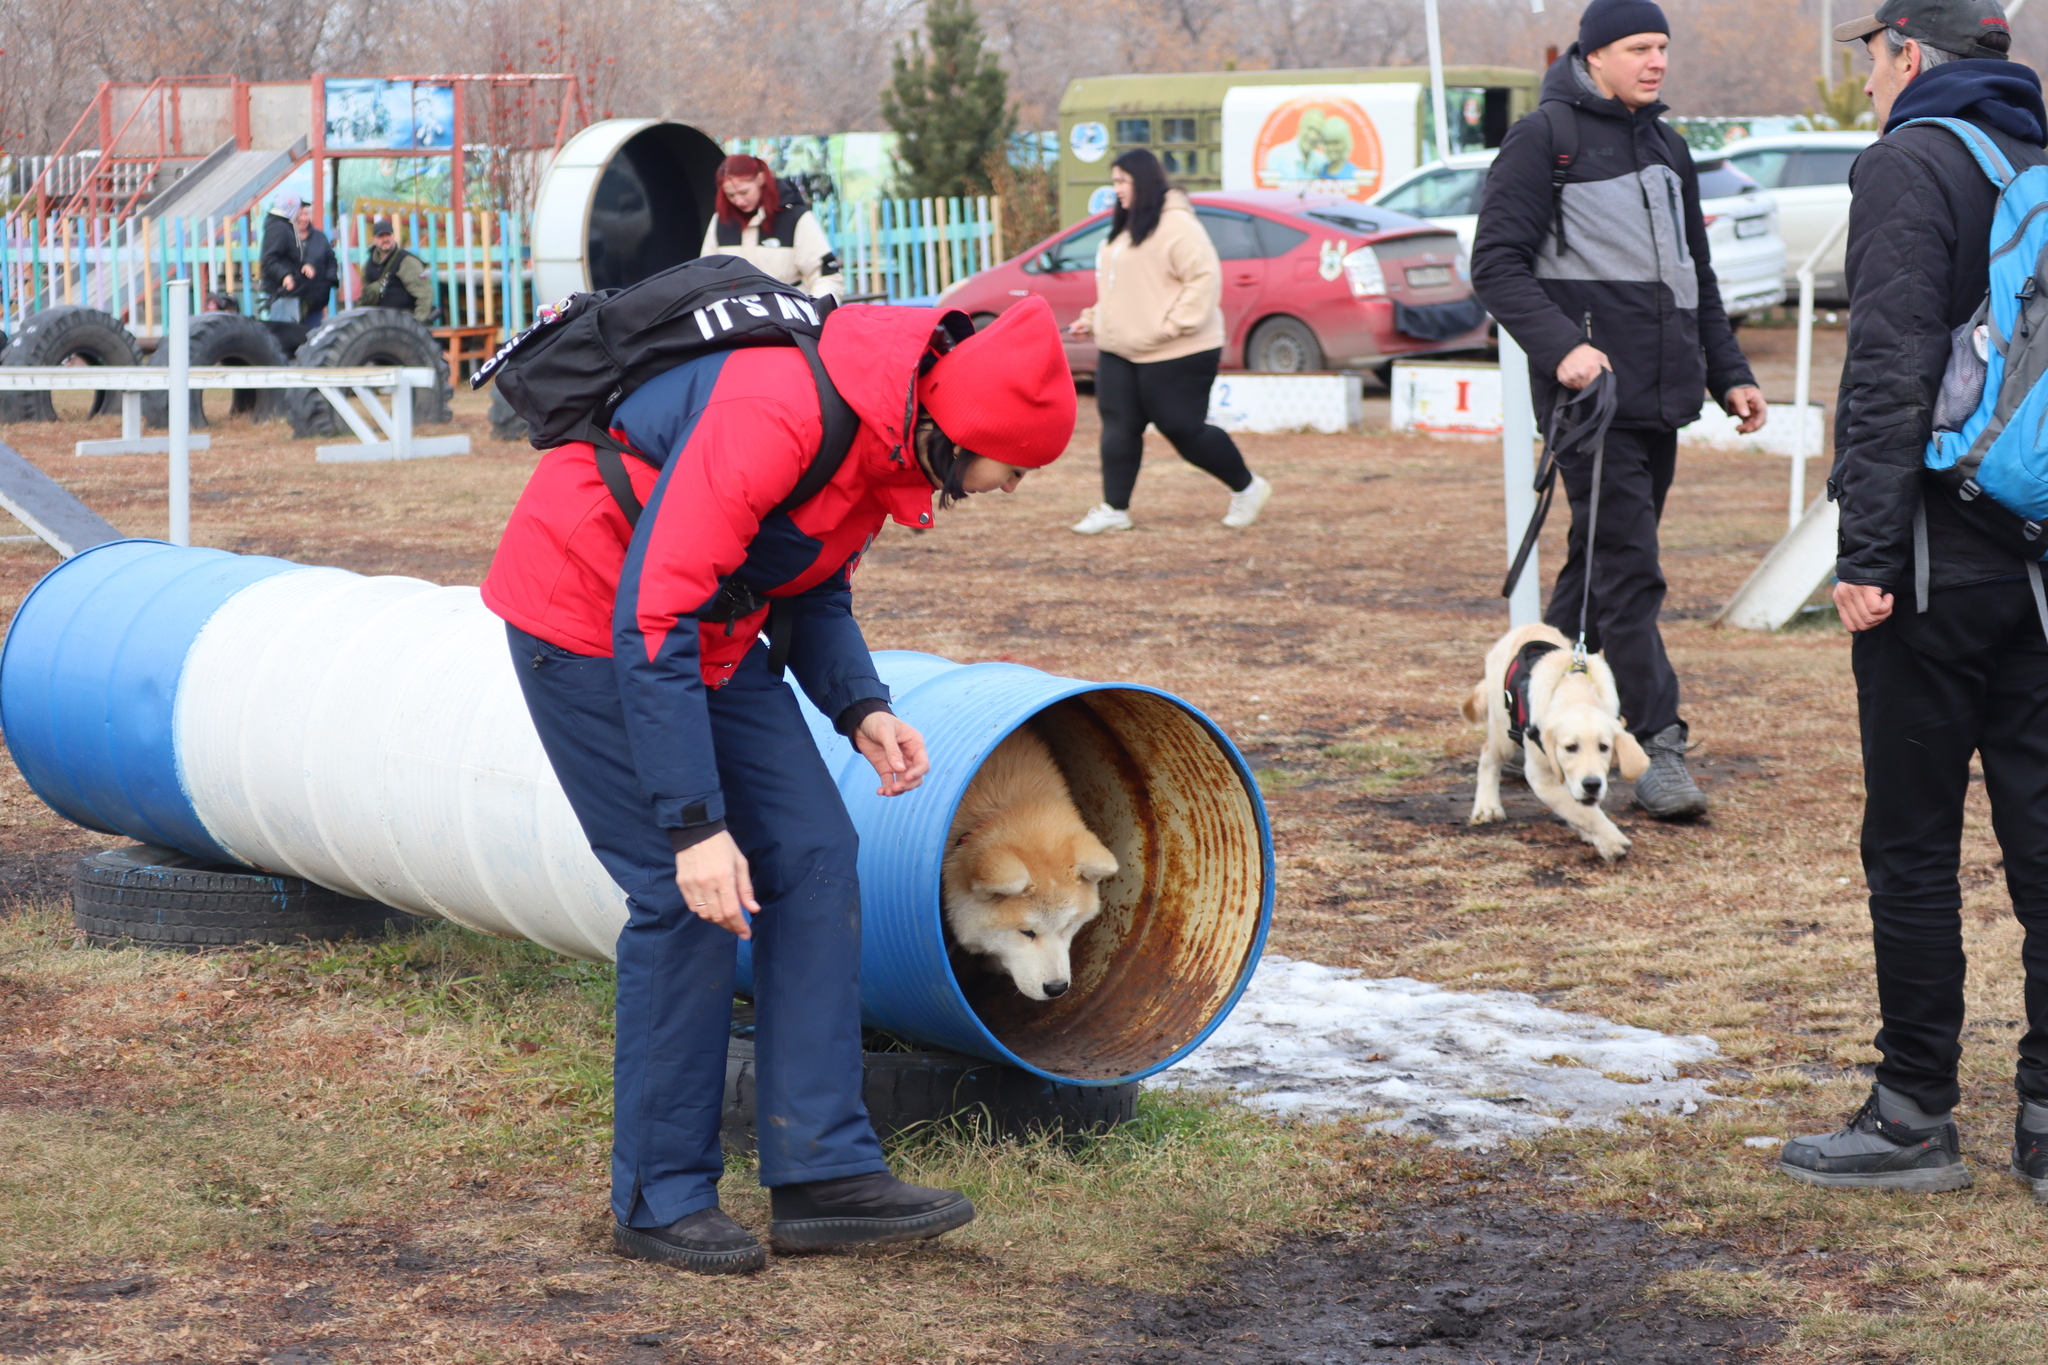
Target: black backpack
568 373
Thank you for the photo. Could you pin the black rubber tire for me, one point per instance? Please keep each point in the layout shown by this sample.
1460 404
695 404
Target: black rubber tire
369 336
909 1090
506 425
982 320
1283 345
57 336
161 898
223 339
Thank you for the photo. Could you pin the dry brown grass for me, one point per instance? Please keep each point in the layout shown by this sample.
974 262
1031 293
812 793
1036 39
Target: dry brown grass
1334 641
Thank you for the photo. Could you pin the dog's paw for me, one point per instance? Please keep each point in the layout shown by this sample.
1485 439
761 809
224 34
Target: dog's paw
1483 814
1610 844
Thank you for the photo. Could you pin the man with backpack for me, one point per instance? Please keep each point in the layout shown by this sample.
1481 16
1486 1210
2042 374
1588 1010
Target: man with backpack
1591 252
1938 563
753 458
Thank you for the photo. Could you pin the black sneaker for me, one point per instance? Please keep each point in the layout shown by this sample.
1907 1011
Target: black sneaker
706 1241
861 1210
1667 790
2030 1157
1876 1153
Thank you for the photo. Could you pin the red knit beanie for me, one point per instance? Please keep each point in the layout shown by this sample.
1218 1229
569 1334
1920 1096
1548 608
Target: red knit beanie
1006 391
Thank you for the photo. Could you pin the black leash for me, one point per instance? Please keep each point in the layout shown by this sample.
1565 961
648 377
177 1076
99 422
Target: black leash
1578 421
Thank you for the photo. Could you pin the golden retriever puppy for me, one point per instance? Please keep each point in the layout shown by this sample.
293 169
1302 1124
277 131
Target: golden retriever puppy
1022 873
1573 733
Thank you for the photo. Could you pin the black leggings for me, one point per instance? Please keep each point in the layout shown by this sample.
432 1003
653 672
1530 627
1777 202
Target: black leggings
1172 395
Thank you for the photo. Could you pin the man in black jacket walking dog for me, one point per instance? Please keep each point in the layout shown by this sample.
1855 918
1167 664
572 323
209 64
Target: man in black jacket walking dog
1964 668
1605 268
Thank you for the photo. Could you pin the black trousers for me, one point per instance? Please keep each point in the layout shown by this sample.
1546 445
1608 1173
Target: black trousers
1172 395
1968 676
1628 584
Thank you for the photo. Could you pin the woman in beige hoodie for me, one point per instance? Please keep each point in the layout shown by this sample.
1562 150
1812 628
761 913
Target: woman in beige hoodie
1158 323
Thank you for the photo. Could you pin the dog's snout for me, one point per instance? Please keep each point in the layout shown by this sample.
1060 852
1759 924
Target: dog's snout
1591 784
1055 988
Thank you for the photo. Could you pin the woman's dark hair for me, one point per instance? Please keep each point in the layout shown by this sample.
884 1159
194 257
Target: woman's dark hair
946 461
1148 195
740 167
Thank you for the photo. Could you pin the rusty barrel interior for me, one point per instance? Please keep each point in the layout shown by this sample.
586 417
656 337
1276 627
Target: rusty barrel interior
1183 918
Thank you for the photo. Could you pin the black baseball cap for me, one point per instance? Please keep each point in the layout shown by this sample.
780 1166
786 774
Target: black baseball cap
1951 25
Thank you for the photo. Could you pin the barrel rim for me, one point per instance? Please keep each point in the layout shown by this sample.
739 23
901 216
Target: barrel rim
1063 689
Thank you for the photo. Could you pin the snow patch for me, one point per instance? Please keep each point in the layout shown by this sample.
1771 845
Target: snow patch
1466 1068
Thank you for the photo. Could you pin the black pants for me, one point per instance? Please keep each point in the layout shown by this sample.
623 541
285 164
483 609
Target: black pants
1628 585
1172 395
1968 676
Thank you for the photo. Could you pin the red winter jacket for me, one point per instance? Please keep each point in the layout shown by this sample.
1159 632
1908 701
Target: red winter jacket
735 429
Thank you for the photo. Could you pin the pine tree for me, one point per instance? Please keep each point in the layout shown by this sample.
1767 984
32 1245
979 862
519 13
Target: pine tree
949 104
1843 105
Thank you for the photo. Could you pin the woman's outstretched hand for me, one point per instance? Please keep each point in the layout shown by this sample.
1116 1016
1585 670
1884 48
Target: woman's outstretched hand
896 749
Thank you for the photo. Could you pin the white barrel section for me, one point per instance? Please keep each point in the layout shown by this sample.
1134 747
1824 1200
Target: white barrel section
625 198
368 734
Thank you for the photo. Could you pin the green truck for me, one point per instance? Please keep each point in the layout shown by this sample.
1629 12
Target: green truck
1351 131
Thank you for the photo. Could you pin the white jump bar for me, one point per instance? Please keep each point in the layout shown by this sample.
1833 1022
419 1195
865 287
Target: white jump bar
156 379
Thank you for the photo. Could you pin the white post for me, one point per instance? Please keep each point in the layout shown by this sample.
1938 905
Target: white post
1436 79
179 339
1802 373
401 417
131 415
1827 40
1518 475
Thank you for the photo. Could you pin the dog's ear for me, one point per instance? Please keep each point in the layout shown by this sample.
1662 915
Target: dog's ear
1474 705
1634 762
1093 862
1001 873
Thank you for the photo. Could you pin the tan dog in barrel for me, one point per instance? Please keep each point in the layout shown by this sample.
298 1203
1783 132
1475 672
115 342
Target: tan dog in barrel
1022 873
1567 722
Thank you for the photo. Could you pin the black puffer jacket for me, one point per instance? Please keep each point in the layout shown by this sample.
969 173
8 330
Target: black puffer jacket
1918 265
1635 257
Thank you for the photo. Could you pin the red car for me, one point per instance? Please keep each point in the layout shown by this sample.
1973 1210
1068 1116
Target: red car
1309 283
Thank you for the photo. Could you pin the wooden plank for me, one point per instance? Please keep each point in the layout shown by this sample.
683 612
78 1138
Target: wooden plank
38 502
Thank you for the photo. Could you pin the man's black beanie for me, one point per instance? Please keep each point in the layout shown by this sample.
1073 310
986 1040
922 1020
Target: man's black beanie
1608 21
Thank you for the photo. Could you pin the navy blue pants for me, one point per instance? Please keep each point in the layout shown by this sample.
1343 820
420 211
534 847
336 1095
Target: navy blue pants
676 971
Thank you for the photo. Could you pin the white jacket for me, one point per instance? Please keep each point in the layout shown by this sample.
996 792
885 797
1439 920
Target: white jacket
806 259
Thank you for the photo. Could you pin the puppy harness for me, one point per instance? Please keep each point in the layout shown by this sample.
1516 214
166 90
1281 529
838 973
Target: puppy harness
1514 688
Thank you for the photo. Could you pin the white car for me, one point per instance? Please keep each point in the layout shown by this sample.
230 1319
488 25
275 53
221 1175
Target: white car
1742 230
1808 174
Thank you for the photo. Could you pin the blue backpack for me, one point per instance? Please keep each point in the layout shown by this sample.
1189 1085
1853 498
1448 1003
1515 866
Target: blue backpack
1990 443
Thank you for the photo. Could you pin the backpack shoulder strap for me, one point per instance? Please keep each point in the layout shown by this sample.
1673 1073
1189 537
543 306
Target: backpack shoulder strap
1564 152
1990 159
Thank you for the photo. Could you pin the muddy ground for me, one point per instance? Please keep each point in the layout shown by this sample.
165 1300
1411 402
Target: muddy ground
1334 642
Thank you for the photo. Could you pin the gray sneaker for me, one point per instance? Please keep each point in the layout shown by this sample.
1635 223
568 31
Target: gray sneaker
1877 1153
1667 790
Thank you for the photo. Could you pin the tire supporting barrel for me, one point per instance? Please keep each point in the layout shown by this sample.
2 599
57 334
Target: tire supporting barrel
368 735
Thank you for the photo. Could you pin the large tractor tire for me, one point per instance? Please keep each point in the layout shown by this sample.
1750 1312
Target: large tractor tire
369 336
506 425
160 898
224 339
68 335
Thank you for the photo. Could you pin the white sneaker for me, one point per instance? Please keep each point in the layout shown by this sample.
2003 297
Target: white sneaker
1102 518
1244 507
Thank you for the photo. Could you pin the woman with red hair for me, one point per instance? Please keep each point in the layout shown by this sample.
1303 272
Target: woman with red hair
780 240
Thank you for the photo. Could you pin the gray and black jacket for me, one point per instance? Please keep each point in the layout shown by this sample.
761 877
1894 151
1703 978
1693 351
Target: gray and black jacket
1634 261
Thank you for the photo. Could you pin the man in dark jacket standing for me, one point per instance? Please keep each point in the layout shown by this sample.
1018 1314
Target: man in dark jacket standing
1959 665
1609 271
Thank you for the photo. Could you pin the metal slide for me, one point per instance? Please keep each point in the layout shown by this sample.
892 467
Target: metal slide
226 182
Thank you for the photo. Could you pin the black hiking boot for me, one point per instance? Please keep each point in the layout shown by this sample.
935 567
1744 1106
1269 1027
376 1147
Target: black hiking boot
2030 1147
861 1210
1667 790
706 1241
1877 1153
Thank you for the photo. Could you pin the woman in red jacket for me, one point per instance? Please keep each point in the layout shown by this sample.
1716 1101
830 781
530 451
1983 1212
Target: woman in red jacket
689 764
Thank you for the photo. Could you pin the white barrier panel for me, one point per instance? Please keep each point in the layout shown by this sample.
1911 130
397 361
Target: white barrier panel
1447 398
1286 402
1779 436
